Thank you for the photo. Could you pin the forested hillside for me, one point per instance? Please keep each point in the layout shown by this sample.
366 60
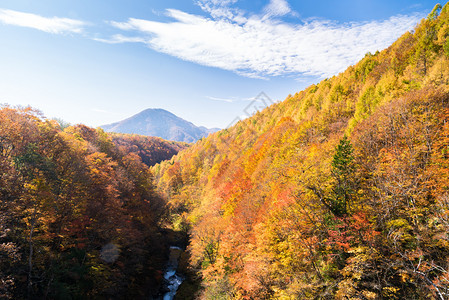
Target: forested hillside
151 150
340 191
79 217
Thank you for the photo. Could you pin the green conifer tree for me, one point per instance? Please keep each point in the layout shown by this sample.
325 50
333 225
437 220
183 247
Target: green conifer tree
343 172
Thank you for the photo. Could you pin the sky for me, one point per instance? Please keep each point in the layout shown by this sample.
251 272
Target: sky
98 62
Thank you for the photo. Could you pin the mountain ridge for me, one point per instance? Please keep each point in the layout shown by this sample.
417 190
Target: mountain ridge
160 123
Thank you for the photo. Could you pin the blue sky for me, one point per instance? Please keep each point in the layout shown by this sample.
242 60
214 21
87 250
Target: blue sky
97 62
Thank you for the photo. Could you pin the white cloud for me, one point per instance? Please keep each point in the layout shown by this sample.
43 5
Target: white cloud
229 100
257 46
277 8
219 8
261 98
118 39
51 25
233 99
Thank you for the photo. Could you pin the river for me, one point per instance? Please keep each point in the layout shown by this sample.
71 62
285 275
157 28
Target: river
172 279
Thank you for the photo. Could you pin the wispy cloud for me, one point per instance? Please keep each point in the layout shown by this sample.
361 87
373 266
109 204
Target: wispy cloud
265 47
220 9
261 46
252 45
118 39
277 8
229 100
233 99
415 6
53 25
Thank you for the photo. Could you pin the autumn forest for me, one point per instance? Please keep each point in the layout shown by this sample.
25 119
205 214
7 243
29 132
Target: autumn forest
341 191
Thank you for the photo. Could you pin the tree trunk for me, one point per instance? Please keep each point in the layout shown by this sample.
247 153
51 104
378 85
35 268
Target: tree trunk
30 256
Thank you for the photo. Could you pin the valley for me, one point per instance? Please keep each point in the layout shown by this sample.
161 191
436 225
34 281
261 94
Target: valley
338 192
341 191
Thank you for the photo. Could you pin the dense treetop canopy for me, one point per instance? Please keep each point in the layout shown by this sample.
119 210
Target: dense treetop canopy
340 191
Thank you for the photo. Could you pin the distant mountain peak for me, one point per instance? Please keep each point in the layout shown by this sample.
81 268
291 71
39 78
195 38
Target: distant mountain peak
161 123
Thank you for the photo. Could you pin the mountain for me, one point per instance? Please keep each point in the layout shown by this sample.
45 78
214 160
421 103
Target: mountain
338 192
161 123
341 191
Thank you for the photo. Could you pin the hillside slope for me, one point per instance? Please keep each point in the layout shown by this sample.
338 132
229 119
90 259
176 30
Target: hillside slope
159 123
151 150
340 191
79 215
